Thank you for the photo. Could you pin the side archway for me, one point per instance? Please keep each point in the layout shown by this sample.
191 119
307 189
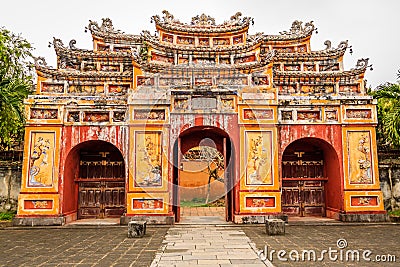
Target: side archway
94 181
311 178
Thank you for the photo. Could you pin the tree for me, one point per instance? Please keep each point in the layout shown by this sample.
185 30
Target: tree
16 80
215 162
388 96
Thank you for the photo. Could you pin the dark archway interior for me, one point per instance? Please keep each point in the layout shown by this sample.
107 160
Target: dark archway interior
94 174
310 173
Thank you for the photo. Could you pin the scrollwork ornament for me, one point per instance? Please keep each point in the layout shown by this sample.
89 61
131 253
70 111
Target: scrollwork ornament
40 61
298 29
57 43
236 18
106 26
343 45
267 57
256 37
328 44
72 44
203 20
362 63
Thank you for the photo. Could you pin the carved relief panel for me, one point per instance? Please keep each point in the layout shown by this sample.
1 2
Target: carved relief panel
47 87
220 41
118 89
168 38
43 114
149 114
185 40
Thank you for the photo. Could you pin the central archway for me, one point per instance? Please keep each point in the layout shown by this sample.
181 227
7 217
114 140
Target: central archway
203 169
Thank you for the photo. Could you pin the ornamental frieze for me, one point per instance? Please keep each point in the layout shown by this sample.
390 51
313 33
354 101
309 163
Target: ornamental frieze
358 113
47 114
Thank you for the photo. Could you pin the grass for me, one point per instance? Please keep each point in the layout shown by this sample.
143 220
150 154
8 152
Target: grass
394 212
200 202
7 216
195 202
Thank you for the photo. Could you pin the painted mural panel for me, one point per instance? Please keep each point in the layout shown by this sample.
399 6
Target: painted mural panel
41 159
363 201
259 158
260 202
148 159
147 204
359 157
38 204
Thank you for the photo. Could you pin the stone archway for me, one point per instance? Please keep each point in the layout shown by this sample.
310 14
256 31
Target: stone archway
191 176
94 176
310 177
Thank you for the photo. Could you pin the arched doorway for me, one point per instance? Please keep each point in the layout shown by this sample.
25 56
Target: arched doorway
95 178
203 169
310 176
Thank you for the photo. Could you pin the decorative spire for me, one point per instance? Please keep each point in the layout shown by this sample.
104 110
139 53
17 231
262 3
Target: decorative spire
40 62
203 20
298 29
106 26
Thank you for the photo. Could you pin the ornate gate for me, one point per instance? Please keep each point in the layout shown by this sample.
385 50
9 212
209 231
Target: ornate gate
101 185
303 183
302 197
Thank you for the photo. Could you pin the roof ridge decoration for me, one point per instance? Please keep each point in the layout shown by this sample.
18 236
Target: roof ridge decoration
203 20
105 27
58 45
106 30
342 45
202 23
298 29
362 64
40 62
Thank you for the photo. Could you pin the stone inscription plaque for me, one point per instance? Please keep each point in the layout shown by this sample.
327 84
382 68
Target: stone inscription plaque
204 103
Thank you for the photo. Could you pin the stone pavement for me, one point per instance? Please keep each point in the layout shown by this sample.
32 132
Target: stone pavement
382 239
194 244
202 211
78 246
206 245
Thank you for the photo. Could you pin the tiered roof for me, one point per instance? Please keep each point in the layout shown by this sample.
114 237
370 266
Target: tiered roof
202 43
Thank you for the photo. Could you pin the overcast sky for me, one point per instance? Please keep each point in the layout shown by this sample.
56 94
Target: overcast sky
371 27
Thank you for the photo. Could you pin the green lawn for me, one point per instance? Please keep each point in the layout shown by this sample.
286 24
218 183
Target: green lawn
7 216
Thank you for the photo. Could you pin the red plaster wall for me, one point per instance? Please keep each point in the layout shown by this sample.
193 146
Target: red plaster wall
73 138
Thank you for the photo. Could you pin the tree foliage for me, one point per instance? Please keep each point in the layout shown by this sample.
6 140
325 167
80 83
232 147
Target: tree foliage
16 74
388 96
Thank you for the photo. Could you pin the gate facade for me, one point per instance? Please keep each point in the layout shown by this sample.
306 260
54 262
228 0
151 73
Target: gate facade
140 92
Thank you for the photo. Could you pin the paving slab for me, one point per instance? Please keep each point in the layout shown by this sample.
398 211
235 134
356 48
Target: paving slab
78 246
208 245
341 239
